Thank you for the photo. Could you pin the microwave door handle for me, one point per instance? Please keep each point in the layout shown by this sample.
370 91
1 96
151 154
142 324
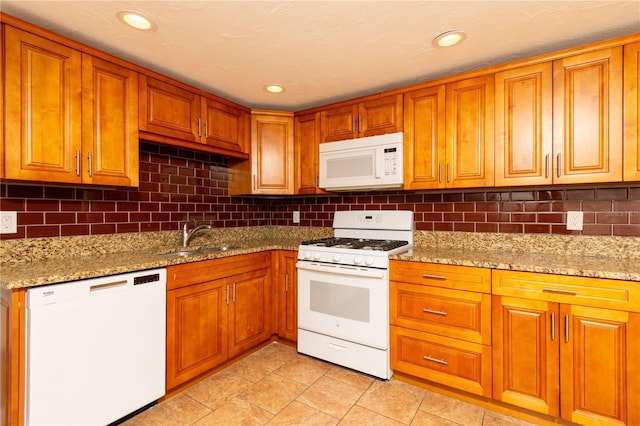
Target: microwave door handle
378 163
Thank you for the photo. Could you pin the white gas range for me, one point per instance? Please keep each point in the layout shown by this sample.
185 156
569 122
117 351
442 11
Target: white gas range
343 289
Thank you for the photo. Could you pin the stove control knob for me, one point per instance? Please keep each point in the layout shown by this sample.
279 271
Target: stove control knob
316 256
357 260
368 261
307 255
336 257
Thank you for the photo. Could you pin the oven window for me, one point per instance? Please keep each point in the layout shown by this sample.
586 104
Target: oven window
340 300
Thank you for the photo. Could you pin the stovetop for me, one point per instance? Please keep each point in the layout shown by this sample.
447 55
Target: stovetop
356 243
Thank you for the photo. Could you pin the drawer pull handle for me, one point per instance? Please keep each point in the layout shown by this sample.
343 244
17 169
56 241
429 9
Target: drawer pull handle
434 277
558 291
432 359
431 311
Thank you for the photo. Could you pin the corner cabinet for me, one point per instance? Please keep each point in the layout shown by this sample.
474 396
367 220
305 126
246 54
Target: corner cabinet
286 291
631 112
269 171
306 132
178 116
367 118
216 309
69 117
567 346
449 135
441 324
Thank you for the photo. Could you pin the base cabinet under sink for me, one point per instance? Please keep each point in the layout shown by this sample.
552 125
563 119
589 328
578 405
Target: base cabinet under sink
216 309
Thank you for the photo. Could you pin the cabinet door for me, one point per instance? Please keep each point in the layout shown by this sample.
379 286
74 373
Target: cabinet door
599 355
587 129
424 138
469 132
109 123
196 325
249 310
224 126
272 154
169 111
380 116
287 293
307 138
43 109
631 112
339 123
525 353
523 126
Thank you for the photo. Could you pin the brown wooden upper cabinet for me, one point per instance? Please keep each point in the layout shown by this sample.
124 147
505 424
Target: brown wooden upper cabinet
448 133
70 117
175 115
587 111
559 122
367 118
631 112
523 126
306 134
270 169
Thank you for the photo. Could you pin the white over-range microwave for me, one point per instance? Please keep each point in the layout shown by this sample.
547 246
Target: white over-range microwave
370 163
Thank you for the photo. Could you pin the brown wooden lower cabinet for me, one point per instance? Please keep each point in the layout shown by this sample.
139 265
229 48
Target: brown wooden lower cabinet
286 291
441 324
580 363
216 309
456 363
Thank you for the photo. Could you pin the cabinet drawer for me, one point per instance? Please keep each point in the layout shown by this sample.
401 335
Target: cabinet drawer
451 362
459 314
597 292
208 270
447 276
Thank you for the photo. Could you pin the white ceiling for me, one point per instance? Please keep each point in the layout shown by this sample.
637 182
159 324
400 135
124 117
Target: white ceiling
326 51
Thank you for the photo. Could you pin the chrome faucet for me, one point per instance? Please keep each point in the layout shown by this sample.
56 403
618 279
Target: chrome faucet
186 234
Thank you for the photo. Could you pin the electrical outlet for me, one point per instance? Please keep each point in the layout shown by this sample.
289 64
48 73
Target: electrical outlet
296 217
574 221
8 222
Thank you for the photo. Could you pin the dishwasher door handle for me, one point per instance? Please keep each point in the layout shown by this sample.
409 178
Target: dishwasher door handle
105 286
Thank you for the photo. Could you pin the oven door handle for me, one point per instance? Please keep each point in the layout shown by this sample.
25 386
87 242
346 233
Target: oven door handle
340 269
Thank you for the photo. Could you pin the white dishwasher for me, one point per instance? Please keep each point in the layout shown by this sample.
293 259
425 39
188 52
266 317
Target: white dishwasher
95 349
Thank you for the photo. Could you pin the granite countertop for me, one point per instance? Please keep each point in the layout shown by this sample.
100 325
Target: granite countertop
548 263
36 262
57 270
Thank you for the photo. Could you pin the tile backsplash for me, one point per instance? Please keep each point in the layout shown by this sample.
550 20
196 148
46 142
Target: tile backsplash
177 185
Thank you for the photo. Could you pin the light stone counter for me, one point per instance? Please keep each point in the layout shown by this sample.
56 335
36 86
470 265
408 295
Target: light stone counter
583 266
32 262
28 263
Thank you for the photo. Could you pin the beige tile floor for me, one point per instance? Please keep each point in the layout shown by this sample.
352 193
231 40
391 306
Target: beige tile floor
278 386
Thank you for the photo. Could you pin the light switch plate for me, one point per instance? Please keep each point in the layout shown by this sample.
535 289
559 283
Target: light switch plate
574 221
8 222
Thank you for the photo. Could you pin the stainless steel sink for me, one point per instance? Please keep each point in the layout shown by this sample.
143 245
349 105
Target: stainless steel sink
196 252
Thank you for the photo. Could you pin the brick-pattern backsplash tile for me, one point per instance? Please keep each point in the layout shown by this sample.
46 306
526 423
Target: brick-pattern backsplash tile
178 185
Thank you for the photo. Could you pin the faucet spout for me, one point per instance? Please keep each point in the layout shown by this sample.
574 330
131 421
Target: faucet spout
186 234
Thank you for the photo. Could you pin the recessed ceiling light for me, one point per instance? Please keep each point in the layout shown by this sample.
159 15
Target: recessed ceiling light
136 20
274 88
449 38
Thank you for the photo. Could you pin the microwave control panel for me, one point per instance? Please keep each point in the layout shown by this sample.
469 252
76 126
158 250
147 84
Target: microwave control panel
391 159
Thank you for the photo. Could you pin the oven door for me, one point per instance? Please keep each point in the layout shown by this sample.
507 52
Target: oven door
346 302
